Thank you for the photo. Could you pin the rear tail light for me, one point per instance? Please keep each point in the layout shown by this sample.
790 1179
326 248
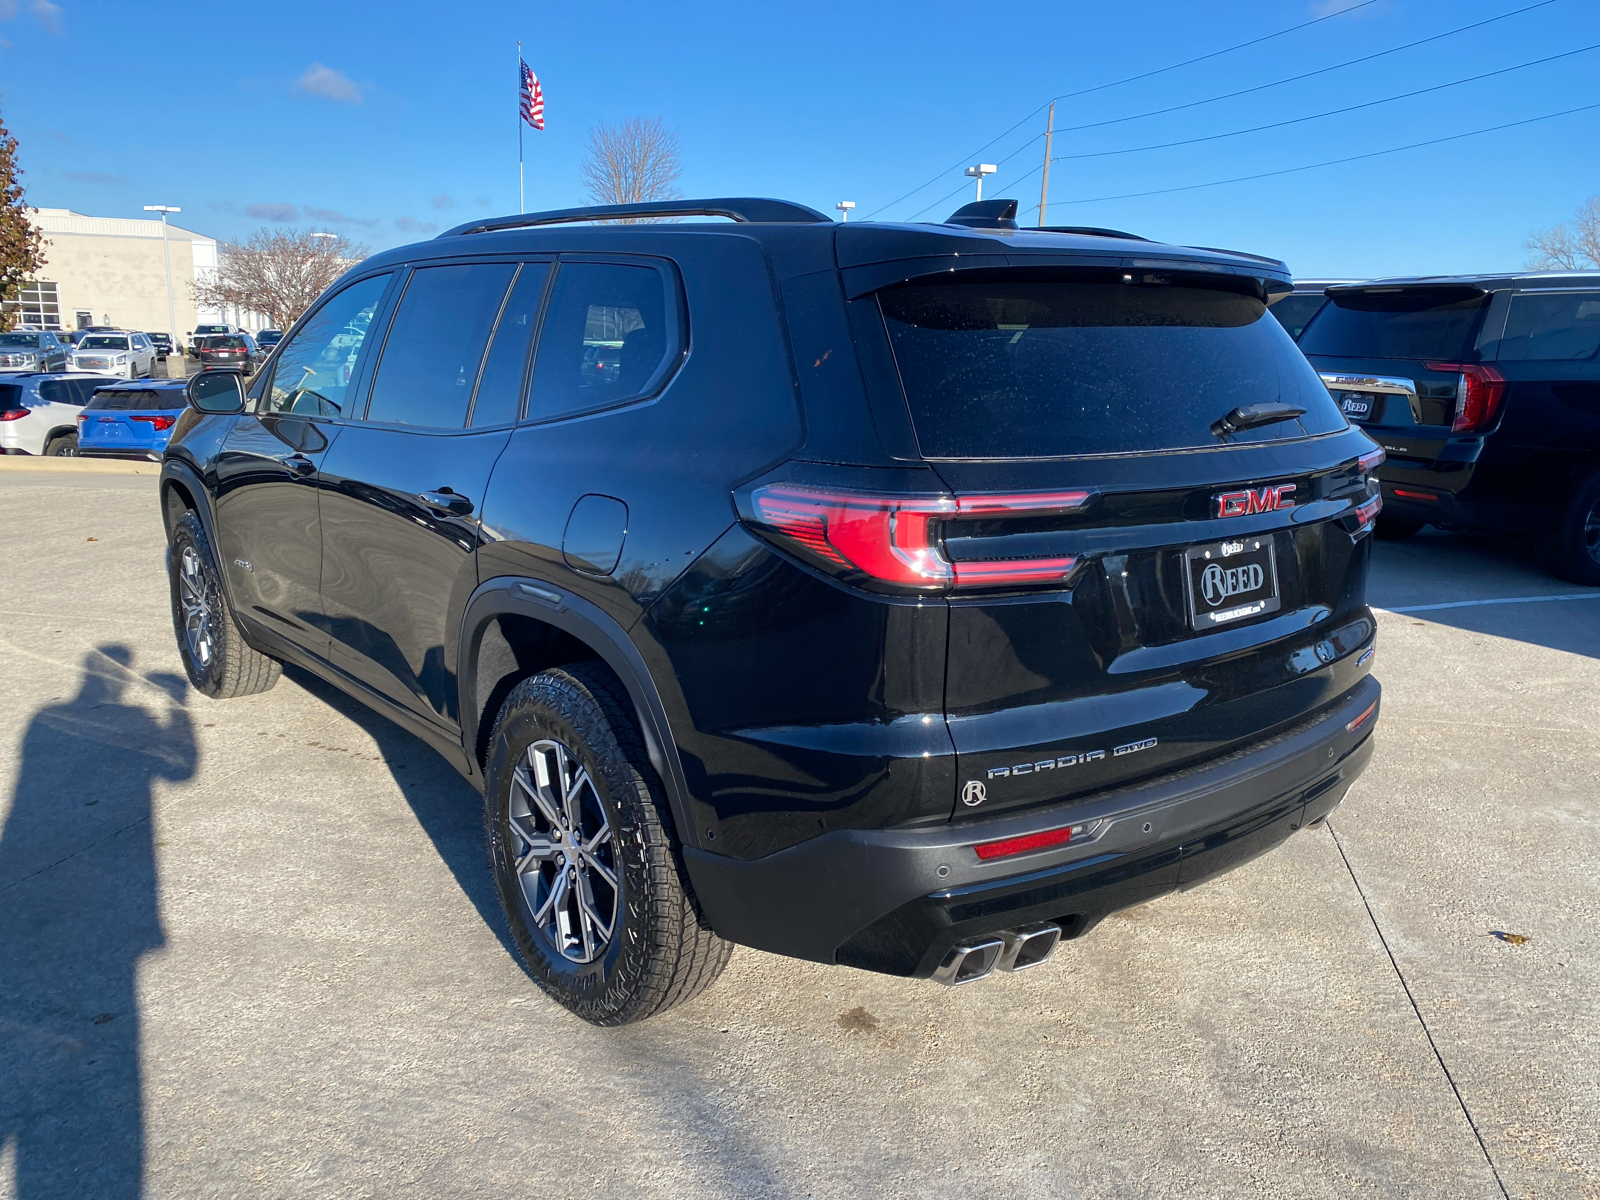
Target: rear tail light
1371 460
1479 390
896 539
1362 719
1367 512
13 414
158 422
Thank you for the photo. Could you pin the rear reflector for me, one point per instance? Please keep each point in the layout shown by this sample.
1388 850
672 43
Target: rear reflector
1028 841
895 539
1362 719
1405 494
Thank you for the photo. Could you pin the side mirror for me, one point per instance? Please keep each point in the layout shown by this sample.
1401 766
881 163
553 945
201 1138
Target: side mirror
217 393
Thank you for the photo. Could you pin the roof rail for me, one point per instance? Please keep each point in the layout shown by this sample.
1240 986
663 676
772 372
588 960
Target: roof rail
1092 231
739 208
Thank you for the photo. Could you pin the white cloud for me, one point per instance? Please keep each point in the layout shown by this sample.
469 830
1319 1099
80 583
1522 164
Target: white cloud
443 200
333 217
323 81
272 212
48 15
412 225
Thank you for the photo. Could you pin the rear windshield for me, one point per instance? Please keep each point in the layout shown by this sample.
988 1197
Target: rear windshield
100 341
10 395
1414 323
1032 368
210 329
224 343
1295 310
137 399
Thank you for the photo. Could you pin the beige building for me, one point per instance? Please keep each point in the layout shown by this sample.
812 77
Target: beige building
111 271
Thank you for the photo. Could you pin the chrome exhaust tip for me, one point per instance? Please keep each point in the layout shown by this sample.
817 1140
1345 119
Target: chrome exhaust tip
1028 946
970 961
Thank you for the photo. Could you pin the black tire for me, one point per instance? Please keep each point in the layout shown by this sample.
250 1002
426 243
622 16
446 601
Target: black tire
214 653
1396 529
1577 555
657 953
63 445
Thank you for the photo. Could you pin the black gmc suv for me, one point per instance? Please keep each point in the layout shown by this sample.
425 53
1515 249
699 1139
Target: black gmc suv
1485 392
902 596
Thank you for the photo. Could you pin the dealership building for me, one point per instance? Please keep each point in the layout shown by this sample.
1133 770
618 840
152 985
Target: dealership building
114 270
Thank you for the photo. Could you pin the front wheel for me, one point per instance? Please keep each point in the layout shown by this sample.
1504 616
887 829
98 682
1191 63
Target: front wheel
215 656
1578 539
583 856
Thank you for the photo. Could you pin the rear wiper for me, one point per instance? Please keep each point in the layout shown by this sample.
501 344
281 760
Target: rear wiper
1250 416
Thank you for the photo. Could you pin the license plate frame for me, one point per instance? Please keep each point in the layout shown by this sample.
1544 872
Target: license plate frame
1233 602
1357 406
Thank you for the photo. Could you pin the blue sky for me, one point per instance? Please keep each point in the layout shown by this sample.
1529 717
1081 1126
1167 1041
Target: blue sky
389 122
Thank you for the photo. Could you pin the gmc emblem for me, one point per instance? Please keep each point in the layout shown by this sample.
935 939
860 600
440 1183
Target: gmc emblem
1255 500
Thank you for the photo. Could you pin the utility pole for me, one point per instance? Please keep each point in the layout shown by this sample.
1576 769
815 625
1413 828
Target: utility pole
1044 186
978 172
166 257
844 207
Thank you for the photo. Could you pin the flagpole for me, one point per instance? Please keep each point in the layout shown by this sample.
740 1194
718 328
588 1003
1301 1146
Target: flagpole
522 205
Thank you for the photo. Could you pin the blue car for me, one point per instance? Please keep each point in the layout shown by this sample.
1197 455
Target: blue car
130 420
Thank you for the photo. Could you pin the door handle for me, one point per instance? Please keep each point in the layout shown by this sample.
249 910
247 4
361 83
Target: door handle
444 500
300 464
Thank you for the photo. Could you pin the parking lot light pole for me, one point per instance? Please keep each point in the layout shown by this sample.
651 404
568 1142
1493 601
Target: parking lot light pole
978 172
166 257
844 207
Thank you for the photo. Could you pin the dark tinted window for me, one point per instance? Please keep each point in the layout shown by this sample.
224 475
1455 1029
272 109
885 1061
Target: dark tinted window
1293 311
1552 327
19 339
10 395
603 339
224 343
315 367
137 400
435 346
58 391
504 371
1414 323
1017 368
103 341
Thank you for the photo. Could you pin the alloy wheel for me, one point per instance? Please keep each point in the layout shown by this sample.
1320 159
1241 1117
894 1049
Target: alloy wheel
564 859
194 598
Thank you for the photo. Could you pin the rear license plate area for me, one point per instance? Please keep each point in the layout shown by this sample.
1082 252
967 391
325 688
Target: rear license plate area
1358 406
1230 581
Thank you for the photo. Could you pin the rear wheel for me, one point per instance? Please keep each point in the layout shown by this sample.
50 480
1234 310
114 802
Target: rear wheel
583 856
215 656
1578 539
64 446
1395 529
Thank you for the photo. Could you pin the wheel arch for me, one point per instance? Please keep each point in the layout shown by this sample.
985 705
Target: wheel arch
579 631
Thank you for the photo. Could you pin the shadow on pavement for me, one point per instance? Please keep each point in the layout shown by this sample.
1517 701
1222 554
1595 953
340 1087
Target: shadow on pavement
447 807
78 893
1445 568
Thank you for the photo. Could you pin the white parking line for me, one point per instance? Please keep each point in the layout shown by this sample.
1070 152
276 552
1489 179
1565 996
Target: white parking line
1415 608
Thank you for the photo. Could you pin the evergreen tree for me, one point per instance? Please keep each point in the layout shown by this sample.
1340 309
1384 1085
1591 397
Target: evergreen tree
21 246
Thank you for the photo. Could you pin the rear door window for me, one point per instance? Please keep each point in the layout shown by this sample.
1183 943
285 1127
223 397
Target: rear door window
58 391
1035 367
436 344
505 371
1552 327
604 339
1410 323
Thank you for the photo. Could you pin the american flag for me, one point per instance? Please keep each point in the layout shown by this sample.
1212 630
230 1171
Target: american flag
531 97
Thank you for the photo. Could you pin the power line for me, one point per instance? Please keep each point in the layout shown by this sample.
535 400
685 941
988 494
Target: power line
1333 162
1261 87
1117 83
1332 112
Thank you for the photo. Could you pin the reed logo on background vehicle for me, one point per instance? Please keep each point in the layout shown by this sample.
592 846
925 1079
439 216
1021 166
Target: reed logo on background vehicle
1255 500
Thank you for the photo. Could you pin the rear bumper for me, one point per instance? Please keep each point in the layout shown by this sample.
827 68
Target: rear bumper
136 455
895 901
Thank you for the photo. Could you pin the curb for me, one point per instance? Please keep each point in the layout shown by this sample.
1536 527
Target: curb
33 464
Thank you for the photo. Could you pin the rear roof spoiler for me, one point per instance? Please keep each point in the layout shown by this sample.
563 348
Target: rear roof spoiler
736 208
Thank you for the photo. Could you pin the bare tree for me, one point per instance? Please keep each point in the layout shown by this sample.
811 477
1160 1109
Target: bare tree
631 163
21 244
278 273
1570 246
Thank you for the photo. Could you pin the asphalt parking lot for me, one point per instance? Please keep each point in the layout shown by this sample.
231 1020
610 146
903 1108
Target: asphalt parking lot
252 948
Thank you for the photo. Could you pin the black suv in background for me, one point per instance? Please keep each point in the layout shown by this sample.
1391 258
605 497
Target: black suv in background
1295 310
902 596
1485 392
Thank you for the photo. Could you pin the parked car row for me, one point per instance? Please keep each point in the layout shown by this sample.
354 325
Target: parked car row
1483 390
